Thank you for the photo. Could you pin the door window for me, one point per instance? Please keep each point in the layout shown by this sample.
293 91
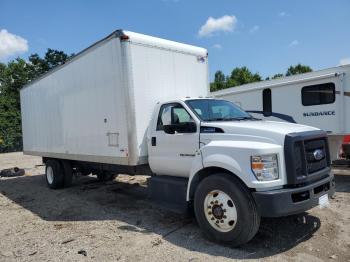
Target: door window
172 114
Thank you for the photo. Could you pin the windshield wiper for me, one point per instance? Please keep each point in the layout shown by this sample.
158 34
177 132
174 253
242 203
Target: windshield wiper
215 119
240 118
224 119
246 118
232 118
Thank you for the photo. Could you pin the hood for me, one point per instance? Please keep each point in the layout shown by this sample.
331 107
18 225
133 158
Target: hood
261 130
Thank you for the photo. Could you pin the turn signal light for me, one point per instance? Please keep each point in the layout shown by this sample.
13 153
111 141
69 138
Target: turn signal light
265 167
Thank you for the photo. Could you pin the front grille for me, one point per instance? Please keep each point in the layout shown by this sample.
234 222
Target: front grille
306 155
311 146
298 156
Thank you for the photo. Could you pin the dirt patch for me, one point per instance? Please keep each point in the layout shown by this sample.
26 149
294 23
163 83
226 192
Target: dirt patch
114 221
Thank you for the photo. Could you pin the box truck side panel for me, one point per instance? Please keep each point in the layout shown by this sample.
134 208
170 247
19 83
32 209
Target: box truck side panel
160 73
78 111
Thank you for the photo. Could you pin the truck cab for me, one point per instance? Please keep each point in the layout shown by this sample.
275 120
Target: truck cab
238 168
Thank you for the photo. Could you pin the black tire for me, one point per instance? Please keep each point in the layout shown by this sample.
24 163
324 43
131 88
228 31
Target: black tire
104 176
68 173
56 180
248 218
346 150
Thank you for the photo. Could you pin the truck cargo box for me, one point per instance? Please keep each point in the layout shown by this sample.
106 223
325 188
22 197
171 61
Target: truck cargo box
97 106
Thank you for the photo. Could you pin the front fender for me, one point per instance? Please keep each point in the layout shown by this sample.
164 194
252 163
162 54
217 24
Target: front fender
234 156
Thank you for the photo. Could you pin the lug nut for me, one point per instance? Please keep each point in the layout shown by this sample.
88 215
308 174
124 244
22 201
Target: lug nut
209 213
221 204
217 222
216 201
222 221
225 217
212 218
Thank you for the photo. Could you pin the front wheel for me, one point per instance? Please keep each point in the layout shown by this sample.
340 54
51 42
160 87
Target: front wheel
225 209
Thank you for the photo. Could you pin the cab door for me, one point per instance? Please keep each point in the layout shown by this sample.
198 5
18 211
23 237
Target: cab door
172 153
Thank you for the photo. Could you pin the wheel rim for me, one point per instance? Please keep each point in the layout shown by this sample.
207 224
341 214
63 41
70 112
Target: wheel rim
220 211
49 174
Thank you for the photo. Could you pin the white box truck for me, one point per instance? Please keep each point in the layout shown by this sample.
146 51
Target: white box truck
320 99
135 104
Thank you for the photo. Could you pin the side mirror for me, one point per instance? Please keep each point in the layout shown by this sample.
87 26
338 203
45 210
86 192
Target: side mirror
187 127
169 129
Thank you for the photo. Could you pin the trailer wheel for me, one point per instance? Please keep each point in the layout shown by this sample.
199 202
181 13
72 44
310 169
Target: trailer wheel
225 210
68 173
54 174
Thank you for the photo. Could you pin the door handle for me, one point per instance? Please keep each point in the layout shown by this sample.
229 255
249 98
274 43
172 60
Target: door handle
154 141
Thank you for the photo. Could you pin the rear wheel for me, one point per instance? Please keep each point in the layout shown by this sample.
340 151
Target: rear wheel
225 210
54 174
68 173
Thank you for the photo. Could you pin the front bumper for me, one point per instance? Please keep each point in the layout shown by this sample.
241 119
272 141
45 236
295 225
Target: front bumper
289 201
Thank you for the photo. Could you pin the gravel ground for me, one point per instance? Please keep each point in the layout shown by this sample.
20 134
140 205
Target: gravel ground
114 221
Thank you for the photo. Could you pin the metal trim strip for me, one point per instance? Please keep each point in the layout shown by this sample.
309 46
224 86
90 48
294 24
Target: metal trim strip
86 158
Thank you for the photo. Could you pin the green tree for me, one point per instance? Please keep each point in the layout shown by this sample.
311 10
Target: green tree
241 76
298 69
219 77
219 81
279 75
13 77
51 59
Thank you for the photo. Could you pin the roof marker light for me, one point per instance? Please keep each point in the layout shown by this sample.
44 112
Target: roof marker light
124 37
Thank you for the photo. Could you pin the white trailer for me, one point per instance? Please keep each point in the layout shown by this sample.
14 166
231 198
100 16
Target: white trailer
320 99
116 108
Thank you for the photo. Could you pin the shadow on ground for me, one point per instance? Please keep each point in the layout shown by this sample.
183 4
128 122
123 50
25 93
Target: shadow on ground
89 200
342 183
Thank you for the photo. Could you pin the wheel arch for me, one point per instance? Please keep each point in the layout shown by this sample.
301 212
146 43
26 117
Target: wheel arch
203 173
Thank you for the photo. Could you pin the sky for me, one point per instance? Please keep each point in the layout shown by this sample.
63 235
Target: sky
266 36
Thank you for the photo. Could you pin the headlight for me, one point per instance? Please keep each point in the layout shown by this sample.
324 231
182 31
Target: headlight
265 167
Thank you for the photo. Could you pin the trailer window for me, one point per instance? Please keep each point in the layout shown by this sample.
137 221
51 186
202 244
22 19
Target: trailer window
318 94
267 102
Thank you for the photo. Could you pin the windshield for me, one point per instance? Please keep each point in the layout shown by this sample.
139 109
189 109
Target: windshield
217 110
